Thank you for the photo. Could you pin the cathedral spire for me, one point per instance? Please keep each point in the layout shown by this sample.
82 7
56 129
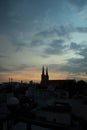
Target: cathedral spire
44 77
43 70
46 71
47 76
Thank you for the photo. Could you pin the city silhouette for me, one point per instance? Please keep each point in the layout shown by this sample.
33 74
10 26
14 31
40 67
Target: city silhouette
52 104
43 64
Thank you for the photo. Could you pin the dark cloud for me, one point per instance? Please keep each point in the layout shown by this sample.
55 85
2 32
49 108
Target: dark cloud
2 69
60 31
83 52
19 47
23 41
65 68
75 46
40 37
56 47
18 40
13 68
79 64
79 4
23 66
3 56
74 65
46 33
18 44
70 68
81 29
36 43
63 31
20 67
57 43
80 48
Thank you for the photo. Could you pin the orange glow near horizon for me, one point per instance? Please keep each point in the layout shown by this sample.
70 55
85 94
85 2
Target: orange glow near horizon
35 75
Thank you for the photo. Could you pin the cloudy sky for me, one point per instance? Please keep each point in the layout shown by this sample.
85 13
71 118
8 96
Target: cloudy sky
34 33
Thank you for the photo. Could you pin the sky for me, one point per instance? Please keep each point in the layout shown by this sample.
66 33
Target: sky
34 33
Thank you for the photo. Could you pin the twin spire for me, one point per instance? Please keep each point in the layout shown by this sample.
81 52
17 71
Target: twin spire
43 73
44 76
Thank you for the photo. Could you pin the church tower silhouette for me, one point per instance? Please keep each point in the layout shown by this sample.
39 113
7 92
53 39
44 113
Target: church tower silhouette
44 76
47 76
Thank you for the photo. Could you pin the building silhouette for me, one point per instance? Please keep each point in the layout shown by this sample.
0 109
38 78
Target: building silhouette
44 76
66 84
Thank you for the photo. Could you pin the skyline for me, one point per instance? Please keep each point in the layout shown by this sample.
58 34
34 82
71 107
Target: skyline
34 33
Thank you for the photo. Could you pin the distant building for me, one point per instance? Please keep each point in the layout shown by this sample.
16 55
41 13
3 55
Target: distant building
67 84
44 77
